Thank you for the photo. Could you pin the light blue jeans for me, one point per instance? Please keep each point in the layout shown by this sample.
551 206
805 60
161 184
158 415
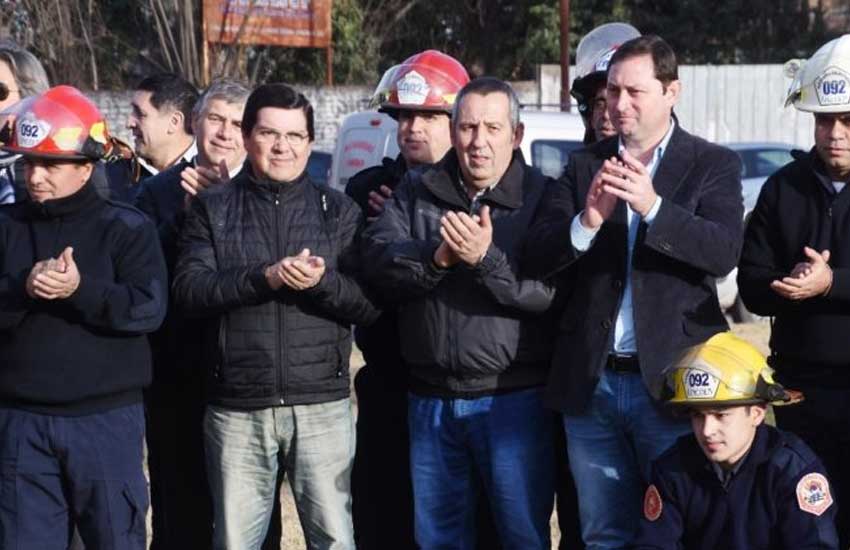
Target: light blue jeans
611 448
315 446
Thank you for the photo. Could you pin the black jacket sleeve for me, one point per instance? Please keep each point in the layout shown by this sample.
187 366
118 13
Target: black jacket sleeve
14 301
509 290
400 265
666 531
136 299
200 287
549 248
340 293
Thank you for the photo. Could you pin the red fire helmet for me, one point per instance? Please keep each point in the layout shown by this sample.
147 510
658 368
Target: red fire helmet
61 123
426 81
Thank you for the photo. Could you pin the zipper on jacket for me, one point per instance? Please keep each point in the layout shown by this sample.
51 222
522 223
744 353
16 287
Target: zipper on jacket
279 366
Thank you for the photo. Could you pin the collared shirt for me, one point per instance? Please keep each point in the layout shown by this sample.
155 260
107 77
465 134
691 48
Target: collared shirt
582 239
475 201
724 475
188 155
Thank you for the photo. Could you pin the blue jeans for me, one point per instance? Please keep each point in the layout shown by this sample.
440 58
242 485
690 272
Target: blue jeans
611 448
499 444
315 445
56 471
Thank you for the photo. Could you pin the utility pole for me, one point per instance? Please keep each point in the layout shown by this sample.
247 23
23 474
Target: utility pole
565 55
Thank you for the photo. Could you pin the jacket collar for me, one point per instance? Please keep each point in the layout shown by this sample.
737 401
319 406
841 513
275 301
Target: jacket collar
269 188
443 181
67 207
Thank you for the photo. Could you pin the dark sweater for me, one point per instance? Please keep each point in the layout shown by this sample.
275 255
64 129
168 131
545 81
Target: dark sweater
87 353
797 207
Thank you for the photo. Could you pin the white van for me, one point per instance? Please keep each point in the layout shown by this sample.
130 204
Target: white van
366 138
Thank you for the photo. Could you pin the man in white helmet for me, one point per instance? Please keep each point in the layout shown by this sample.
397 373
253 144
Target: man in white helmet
592 57
795 267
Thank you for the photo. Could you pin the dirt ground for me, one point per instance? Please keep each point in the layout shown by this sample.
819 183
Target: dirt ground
293 538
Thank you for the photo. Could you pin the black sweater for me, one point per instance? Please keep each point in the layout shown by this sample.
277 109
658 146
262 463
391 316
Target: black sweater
797 207
87 353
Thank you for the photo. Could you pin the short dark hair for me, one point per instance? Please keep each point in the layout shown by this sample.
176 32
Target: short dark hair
485 85
663 57
171 90
279 96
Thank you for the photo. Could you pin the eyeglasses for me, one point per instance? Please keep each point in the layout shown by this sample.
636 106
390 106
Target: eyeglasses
5 91
268 136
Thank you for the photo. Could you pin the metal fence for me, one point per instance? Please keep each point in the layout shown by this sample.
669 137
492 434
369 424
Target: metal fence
724 103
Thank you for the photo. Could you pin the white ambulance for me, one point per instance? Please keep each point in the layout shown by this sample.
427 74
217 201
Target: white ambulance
367 137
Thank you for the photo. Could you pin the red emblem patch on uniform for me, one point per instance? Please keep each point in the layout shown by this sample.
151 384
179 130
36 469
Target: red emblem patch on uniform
652 504
813 494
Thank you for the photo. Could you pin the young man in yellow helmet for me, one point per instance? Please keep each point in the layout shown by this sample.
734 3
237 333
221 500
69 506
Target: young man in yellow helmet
735 483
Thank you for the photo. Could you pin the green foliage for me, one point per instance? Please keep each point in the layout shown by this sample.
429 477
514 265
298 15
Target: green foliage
115 42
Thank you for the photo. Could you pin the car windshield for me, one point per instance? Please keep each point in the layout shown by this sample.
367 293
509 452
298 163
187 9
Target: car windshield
761 163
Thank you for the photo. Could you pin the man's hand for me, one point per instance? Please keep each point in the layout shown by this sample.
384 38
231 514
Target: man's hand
599 204
807 279
302 271
377 201
467 236
54 279
444 256
630 181
194 179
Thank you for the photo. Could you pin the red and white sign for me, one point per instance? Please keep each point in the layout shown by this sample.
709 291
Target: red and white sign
299 23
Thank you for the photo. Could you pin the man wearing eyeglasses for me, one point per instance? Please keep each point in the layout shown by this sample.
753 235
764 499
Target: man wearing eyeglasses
269 261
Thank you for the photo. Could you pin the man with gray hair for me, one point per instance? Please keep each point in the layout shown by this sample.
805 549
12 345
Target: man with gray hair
180 500
473 332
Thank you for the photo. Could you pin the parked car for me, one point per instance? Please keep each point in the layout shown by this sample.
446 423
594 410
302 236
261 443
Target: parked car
319 166
760 160
367 137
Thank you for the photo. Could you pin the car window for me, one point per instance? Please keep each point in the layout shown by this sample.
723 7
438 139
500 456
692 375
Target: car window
761 163
319 166
550 155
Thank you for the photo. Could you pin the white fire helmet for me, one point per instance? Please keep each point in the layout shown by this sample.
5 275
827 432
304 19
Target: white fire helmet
596 48
821 84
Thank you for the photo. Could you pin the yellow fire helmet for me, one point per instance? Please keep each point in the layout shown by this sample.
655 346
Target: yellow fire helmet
821 84
725 370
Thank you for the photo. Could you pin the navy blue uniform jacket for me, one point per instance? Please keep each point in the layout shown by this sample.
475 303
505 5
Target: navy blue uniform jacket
695 237
758 510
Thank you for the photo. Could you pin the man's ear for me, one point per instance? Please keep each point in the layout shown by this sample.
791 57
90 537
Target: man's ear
175 121
757 414
519 132
672 92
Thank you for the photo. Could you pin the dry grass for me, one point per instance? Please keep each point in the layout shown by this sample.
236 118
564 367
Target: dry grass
293 538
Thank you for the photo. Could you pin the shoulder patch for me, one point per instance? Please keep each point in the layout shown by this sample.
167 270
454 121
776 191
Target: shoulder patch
813 494
652 504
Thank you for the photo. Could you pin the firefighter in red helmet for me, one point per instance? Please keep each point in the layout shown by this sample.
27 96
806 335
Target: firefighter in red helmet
419 94
82 280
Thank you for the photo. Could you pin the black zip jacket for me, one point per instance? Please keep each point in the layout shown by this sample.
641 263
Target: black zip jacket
263 347
87 353
797 207
379 342
465 331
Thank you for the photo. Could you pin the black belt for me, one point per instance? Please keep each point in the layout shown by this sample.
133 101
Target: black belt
623 363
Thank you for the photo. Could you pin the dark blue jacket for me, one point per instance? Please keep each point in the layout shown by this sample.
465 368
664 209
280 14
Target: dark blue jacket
87 353
759 509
